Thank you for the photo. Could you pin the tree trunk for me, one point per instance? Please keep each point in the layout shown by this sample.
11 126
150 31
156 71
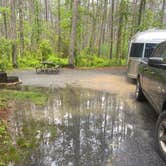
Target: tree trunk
46 10
102 31
59 27
73 32
13 32
21 27
141 12
162 13
5 24
112 28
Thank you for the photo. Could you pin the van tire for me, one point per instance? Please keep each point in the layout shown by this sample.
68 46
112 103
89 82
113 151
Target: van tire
138 92
161 130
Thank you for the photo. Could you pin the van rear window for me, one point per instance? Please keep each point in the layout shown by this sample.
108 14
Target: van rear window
136 50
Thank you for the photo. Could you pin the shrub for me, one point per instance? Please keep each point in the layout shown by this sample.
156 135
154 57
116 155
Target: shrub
45 49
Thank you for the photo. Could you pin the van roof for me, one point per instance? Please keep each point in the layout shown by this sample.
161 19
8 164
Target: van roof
150 36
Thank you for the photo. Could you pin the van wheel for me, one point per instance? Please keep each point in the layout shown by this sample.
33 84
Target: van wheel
138 92
160 135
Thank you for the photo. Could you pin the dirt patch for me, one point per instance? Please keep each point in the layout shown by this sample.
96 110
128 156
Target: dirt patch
4 114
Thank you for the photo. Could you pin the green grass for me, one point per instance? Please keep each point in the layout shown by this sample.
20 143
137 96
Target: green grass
34 96
24 144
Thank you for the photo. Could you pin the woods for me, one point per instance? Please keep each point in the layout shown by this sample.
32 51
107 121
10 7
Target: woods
80 33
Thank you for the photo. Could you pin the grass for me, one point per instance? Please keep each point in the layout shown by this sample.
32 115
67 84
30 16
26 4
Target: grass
24 144
34 96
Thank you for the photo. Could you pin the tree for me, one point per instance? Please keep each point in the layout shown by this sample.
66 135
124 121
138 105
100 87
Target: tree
141 12
21 26
112 28
13 33
162 13
59 26
73 32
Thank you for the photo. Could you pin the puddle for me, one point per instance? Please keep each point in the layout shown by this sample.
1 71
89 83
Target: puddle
75 127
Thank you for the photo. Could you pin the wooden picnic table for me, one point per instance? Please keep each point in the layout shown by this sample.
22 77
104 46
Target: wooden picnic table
47 67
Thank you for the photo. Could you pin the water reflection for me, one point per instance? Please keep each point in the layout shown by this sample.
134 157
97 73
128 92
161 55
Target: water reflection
89 125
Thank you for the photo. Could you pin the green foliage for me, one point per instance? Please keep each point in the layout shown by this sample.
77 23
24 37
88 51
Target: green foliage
7 150
45 49
95 61
24 144
33 96
58 61
3 102
4 10
28 62
5 51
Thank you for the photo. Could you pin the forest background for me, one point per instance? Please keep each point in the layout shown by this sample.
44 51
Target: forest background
83 33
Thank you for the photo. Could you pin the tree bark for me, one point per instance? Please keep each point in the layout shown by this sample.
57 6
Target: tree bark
73 32
21 26
162 13
141 11
13 32
59 26
102 31
112 28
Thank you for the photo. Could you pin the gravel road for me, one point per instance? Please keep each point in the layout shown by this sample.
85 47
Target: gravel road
108 79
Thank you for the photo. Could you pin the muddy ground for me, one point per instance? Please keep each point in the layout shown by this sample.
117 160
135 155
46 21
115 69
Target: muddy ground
107 79
136 149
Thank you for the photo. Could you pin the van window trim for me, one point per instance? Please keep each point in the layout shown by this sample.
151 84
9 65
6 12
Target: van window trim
143 52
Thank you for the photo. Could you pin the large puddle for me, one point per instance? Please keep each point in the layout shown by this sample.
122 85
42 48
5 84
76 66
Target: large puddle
75 127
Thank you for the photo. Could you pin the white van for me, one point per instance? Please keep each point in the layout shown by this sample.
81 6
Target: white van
141 46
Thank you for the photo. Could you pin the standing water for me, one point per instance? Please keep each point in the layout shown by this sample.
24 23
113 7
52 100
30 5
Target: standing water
75 127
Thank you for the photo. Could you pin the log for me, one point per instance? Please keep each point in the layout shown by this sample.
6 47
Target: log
12 79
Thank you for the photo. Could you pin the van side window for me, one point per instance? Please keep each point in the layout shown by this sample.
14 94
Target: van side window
136 50
149 49
160 51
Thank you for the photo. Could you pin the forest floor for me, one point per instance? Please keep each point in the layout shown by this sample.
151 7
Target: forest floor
135 150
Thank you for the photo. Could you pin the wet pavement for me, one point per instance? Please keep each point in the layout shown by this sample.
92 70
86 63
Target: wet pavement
80 127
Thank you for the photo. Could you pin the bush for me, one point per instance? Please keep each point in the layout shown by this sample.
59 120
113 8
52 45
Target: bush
5 52
58 61
95 61
45 49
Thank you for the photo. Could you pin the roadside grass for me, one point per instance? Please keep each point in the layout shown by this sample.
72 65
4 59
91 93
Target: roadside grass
33 96
15 150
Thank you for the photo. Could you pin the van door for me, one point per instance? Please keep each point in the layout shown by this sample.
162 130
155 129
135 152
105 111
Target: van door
149 48
157 79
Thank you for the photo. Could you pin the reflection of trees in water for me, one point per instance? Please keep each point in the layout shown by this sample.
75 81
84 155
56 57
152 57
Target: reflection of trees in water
90 127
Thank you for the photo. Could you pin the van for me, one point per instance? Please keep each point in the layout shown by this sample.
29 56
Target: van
142 46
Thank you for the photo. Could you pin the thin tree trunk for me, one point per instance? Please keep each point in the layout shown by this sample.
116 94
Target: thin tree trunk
112 28
91 43
162 13
73 32
141 11
5 24
21 27
13 31
59 27
102 31
46 10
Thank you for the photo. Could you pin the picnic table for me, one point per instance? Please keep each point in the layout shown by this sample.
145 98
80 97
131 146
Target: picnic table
47 67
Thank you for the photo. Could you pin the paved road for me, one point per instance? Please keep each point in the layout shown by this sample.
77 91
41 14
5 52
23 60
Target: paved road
138 150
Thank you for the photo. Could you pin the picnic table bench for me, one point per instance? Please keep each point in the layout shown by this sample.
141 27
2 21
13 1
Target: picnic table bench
47 67
8 80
